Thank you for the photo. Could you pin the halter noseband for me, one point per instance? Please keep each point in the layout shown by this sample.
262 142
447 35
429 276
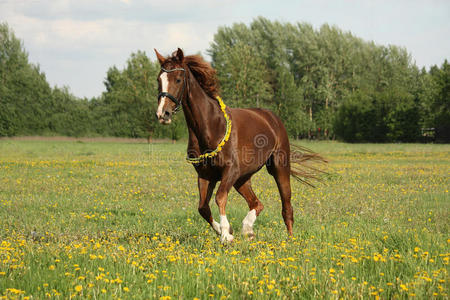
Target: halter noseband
171 97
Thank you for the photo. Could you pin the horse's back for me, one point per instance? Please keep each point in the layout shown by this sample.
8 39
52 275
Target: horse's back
259 133
254 112
266 121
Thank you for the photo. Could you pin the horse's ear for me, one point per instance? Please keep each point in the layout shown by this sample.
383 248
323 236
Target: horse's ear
161 58
180 55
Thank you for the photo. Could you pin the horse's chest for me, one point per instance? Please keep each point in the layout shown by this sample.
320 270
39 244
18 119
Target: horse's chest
209 171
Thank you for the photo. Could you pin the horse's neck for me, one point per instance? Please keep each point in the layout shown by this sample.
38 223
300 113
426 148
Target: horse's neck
203 117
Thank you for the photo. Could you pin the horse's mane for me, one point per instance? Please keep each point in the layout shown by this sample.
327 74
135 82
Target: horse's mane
203 72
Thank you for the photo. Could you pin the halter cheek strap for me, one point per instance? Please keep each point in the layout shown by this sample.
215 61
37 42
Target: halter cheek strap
171 97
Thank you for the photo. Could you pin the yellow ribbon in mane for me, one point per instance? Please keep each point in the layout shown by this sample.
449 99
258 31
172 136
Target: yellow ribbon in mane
225 138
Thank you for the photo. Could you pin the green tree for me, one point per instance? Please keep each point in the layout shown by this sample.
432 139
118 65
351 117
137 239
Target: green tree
440 103
130 99
70 116
24 91
242 77
314 72
312 78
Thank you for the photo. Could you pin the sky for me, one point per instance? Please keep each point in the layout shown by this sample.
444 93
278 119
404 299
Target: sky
76 42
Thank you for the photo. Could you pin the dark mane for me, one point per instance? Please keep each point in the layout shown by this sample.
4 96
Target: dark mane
203 72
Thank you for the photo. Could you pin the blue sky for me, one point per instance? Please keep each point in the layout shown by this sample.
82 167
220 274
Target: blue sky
75 42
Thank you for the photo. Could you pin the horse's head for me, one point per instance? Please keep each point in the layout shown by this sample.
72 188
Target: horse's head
171 85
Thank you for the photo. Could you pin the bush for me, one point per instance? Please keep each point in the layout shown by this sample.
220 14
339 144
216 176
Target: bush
388 116
357 120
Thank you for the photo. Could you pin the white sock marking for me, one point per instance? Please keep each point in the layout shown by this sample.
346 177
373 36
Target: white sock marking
225 230
216 227
250 218
247 223
224 224
164 88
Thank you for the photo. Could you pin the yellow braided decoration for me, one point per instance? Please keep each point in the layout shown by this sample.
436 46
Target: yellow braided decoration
213 153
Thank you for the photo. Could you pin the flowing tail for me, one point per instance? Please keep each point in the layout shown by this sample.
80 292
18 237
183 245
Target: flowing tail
306 165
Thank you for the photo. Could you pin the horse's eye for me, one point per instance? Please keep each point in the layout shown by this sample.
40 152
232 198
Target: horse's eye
178 80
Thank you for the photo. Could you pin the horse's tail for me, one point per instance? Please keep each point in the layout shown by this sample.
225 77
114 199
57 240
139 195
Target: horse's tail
306 165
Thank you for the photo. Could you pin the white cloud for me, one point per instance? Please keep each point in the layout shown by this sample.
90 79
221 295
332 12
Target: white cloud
104 34
76 41
67 49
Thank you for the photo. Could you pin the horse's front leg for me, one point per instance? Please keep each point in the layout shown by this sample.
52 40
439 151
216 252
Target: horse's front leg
205 189
221 199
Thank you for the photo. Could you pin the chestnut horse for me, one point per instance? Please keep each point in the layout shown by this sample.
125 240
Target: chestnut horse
257 137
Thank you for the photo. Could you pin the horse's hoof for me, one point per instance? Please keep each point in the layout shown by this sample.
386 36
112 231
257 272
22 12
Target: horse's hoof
226 239
250 236
247 231
216 227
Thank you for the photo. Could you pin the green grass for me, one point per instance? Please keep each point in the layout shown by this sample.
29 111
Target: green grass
115 220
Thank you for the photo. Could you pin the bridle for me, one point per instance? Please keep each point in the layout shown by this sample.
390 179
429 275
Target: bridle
171 97
210 154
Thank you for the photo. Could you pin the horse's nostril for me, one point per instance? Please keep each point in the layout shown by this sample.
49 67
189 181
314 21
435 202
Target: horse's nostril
167 114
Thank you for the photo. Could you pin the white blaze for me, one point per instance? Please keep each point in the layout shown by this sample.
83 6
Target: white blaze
164 88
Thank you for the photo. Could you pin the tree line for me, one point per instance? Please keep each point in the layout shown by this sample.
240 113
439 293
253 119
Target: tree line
323 83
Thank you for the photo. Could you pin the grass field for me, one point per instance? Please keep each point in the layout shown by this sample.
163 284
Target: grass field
116 220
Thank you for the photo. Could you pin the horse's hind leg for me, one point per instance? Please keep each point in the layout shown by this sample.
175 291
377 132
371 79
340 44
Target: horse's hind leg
279 167
255 206
206 188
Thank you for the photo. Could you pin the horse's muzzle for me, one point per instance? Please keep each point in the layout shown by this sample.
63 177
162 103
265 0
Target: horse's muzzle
165 118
